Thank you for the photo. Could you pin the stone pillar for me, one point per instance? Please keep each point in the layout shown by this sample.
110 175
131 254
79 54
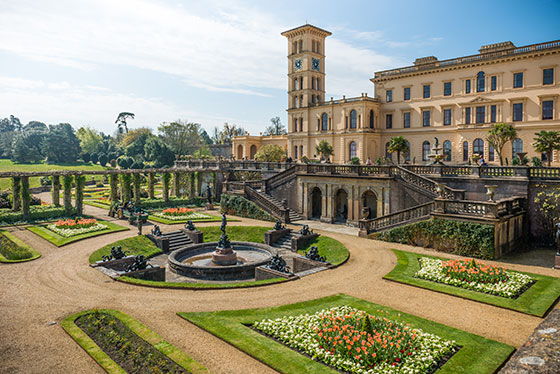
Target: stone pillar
55 190
386 201
165 181
304 200
191 177
176 184
67 183
25 197
151 183
80 181
325 214
126 187
136 181
114 185
16 193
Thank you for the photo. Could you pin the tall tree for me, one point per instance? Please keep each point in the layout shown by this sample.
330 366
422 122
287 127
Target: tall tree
229 131
136 148
547 142
398 144
121 121
35 126
26 146
276 127
204 137
182 137
89 139
499 135
61 144
158 152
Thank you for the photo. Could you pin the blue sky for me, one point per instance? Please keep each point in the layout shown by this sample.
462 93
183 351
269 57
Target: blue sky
212 62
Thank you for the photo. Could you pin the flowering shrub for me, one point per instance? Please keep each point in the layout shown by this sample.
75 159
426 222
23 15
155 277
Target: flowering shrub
176 217
71 227
474 275
350 340
177 211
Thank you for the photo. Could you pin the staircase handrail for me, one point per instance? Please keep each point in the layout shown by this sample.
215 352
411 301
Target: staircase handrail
261 200
426 185
280 178
368 226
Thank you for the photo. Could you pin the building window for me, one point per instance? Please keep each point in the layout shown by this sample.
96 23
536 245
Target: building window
301 124
388 155
389 96
480 82
544 157
295 125
389 121
353 119
406 120
447 150
467 115
407 154
518 80
518 112
301 101
548 76
516 147
295 102
301 150
547 109
295 152
296 84
426 91
478 147
407 93
324 122
371 119
490 153
493 83
353 150
301 83
300 48
480 114
447 89
493 109
313 99
468 86
447 117
425 150
318 84
465 151
426 118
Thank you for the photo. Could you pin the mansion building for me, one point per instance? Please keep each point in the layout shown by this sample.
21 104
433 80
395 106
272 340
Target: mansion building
456 100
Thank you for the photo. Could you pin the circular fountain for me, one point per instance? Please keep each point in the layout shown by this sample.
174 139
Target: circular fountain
220 261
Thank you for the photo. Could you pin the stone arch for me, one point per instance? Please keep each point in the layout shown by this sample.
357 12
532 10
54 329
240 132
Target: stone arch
240 152
252 152
369 204
341 205
316 202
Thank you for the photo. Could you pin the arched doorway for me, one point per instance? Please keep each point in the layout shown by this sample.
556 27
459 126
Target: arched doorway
316 203
239 152
369 205
252 152
341 206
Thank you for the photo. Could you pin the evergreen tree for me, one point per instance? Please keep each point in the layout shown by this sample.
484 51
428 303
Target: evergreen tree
94 158
61 144
103 159
158 152
26 147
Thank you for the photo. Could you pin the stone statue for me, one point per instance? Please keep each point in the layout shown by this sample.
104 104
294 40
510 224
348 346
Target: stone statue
209 194
190 226
436 140
156 231
557 239
279 226
224 224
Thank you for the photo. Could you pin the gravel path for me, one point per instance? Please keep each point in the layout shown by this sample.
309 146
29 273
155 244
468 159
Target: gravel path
61 283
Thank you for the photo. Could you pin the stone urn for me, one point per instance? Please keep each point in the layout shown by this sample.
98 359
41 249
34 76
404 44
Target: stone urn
491 191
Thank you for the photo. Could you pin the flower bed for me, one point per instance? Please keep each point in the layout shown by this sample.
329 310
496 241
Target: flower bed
177 214
350 340
71 227
474 275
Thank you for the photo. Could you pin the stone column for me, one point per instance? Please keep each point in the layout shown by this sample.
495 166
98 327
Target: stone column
55 190
304 200
151 183
67 183
80 181
16 193
325 216
386 201
176 184
114 184
126 188
165 181
137 179
25 197
192 178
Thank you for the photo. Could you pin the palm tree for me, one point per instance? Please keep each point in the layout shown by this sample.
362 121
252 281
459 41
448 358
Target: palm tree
547 141
324 148
499 135
121 121
398 144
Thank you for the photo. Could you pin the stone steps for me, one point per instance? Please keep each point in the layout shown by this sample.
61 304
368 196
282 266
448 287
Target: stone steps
177 240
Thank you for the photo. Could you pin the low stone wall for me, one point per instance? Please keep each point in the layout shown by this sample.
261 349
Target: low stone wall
301 241
160 241
272 236
302 264
262 273
195 236
118 265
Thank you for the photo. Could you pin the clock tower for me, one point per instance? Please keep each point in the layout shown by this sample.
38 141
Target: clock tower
306 74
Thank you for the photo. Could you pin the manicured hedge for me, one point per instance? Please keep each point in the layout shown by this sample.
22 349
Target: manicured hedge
239 206
460 238
37 213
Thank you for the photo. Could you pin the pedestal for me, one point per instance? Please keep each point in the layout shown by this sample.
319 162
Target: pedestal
224 256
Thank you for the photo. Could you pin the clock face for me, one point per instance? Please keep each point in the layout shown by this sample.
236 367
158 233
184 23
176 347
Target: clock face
298 64
316 64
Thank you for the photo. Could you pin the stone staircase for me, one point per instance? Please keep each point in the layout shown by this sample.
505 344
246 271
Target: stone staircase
294 216
270 204
177 240
285 243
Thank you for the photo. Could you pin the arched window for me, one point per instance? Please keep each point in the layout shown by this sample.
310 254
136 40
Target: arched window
388 155
371 119
353 150
324 122
353 119
480 83
295 152
295 102
300 46
491 156
447 150
465 151
516 147
425 150
478 147
301 124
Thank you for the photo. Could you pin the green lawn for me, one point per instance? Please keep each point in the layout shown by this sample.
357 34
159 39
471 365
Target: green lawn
235 233
137 245
25 249
535 301
477 355
172 352
7 165
334 251
59 240
200 286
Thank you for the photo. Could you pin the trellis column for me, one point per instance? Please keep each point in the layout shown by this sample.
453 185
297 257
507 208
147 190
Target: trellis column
192 181
55 192
25 197
165 181
176 177
126 188
80 181
114 184
67 184
137 178
16 193
151 183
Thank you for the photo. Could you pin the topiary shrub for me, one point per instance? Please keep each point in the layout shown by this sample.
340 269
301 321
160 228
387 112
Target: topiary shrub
239 206
460 238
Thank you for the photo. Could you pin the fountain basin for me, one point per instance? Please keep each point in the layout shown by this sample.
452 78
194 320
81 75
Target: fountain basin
195 261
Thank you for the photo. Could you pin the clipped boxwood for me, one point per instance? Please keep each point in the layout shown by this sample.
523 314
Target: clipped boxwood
241 207
460 238
36 213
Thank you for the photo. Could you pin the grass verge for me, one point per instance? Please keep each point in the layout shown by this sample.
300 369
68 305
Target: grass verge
535 301
477 355
200 286
174 353
235 233
33 254
334 251
59 240
137 245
